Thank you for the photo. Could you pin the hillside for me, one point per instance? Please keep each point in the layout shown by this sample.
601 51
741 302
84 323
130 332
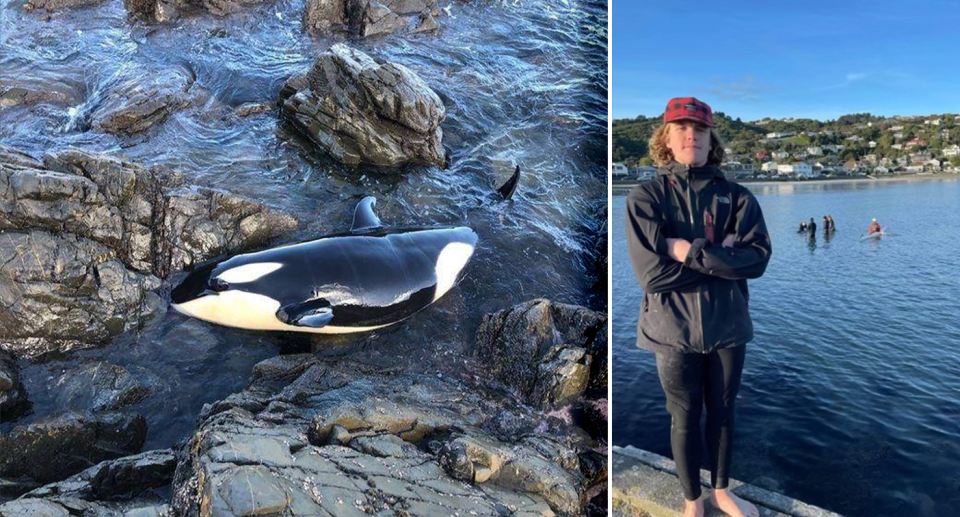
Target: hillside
845 138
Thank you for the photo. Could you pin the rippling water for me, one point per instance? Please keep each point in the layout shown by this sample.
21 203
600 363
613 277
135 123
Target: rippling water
851 391
523 83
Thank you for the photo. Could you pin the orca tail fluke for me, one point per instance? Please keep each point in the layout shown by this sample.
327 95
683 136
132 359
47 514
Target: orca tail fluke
507 189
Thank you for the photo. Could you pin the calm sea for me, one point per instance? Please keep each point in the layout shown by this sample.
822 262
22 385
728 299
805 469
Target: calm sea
851 391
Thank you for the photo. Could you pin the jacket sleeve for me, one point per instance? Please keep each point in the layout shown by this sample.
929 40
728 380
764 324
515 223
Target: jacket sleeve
751 252
647 245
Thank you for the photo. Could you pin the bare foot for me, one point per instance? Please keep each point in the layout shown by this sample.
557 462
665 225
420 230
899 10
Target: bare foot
732 505
693 508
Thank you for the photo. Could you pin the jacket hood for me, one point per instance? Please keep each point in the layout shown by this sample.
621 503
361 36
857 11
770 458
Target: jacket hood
707 171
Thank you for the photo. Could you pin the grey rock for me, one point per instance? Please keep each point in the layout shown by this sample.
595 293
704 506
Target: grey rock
123 478
13 396
55 448
363 112
225 7
544 350
158 11
57 5
315 438
86 239
140 102
370 17
101 386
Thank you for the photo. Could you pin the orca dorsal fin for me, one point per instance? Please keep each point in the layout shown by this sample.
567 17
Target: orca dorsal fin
363 217
507 189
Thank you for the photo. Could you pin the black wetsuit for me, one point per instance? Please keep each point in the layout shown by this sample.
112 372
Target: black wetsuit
812 228
695 315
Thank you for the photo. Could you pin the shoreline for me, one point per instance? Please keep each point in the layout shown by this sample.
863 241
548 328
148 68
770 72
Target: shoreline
623 187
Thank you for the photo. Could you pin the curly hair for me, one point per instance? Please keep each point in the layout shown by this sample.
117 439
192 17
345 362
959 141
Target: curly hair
662 155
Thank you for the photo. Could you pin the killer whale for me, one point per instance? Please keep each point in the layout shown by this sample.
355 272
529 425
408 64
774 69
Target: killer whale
368 278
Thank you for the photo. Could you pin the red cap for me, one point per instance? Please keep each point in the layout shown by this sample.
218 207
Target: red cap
688 108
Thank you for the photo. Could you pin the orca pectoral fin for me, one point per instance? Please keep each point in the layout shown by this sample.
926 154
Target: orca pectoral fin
363 217
507 189
300 315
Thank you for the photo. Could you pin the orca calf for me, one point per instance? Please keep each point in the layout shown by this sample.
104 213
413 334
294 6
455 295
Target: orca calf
368 278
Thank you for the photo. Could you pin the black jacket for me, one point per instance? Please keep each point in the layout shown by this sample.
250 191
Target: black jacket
700 305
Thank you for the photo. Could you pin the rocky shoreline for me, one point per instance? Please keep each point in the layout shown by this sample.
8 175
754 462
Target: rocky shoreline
89 242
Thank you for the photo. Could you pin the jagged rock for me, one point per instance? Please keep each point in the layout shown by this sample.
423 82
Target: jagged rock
57 5
101 386
158 11
140 102
225 7
123 478
370 17
13 396
86 239
56 448
31 507
542 349
20 91
315 438
362 112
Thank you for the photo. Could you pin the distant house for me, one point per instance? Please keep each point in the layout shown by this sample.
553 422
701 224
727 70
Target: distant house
800 155
915 142
951 150
932 122
854 138
850 166
944 134
896 128
827 133
620 171
780 155
903 160
811 133
896 146
738 169
913 169
871 144
931 166
881 170
815 151
769 166
795 169
898 135
869 158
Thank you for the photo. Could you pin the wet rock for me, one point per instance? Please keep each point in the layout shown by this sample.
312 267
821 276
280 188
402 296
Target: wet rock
63 507
17 91
158 11
123 478
253 108
370 17
542 349
225 7
315 438
86 239
101 386
140 102
57 5
363 112
56 448
13 396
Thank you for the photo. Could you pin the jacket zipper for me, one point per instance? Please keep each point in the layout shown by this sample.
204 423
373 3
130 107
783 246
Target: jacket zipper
693 227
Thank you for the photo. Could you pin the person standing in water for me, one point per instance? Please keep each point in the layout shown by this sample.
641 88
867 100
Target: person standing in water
694 240
812 227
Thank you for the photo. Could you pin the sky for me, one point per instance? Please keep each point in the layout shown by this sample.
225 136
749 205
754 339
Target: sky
804 59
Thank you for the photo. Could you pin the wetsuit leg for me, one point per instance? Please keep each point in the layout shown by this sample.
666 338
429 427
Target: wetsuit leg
681 376
721 383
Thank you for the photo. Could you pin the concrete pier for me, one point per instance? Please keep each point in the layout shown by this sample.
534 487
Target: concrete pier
646 485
